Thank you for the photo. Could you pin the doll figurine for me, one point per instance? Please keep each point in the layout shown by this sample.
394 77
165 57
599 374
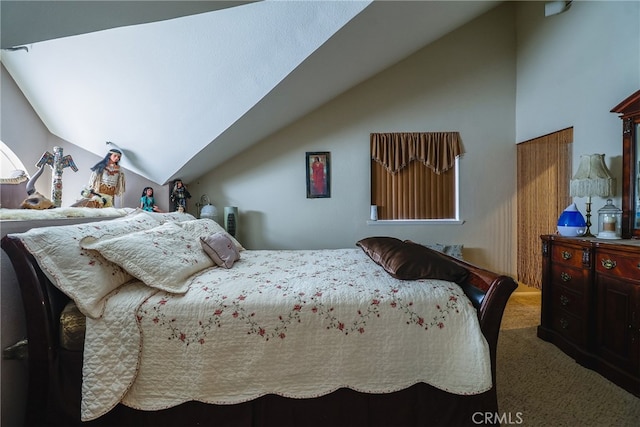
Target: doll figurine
147 201
179 196
106 182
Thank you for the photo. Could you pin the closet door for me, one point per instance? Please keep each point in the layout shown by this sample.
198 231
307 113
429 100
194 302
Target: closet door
544 173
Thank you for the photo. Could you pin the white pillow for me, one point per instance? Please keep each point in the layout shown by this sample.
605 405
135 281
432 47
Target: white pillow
163 257
83 275
205 227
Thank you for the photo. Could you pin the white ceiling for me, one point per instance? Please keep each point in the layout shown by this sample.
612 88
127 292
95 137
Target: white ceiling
181 95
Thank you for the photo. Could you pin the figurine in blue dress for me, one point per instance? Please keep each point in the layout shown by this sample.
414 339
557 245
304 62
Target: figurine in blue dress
147 201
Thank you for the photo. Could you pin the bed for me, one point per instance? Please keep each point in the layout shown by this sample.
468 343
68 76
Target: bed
183 326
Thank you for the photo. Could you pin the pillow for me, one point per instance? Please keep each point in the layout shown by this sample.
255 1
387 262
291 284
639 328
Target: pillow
220 249
84 276
163 257
451 250
205 227
380 248
411 261
171 216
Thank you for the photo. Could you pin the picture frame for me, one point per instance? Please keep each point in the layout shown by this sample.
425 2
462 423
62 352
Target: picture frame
318 166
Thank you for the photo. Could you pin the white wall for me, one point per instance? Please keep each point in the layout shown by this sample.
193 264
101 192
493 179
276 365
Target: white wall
25 134
21 129
573 68
570 70
464 82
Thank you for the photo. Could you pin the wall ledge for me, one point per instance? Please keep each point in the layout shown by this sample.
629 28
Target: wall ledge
416 222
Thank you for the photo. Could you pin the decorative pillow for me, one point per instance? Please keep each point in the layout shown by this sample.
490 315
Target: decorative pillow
451 250
163 257
84 276
205 227
411 261
380 248
220 249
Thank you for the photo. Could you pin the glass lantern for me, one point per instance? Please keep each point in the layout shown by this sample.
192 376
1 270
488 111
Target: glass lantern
610 222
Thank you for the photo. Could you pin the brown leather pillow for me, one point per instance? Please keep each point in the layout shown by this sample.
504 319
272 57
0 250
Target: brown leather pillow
411 261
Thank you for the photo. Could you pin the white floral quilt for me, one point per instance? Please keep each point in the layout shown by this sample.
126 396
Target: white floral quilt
293 323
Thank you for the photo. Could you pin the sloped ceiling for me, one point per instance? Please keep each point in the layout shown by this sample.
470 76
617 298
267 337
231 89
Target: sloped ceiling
181 90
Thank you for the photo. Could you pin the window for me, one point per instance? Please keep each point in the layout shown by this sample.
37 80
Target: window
9 162
414 176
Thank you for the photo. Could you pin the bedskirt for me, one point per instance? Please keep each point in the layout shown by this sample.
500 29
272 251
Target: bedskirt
419 405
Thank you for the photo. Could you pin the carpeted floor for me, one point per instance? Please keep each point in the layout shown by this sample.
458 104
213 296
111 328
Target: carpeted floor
538 385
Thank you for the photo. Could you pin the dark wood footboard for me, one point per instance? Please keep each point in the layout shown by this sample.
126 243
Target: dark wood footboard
43 304
489 293
55 375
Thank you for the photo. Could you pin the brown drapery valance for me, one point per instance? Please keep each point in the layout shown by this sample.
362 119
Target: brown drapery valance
436 150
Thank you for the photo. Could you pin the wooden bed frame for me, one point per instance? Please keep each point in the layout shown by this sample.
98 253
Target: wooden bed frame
55 374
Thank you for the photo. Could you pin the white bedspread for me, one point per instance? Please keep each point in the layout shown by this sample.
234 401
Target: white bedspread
293 323
60 213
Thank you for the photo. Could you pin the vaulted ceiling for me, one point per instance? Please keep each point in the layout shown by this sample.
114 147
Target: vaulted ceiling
180 87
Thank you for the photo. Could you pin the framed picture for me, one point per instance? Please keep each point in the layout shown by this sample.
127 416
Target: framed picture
318 174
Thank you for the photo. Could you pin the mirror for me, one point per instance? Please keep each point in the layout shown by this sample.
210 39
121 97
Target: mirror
629 111
635 172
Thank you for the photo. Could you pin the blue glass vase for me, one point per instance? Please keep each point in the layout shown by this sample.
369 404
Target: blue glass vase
571 222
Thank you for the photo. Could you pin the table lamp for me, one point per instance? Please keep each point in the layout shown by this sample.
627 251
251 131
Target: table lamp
592 179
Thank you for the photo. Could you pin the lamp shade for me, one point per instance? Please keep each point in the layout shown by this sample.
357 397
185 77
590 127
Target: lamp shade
592 178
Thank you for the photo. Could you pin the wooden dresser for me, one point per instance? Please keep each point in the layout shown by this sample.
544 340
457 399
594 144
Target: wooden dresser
591 304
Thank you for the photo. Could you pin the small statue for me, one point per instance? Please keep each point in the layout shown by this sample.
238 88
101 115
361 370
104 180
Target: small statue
57 162
147 201
179 196
106 181
36 200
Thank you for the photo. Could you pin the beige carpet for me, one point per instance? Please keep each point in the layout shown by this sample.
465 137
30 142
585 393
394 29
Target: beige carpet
538 385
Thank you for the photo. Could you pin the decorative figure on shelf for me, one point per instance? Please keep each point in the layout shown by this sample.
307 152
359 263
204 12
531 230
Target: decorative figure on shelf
107 181
57 162
179 196
35 200
147 201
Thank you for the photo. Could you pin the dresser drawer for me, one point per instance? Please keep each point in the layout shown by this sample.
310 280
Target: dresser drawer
571 302
570 277
567 255
618 264
591 304
570 327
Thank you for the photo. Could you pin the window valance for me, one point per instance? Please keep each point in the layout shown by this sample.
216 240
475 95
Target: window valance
436 150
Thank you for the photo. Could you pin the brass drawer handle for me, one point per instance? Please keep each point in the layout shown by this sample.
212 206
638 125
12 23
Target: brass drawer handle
565 276
564 323
564 300
566 255
608 264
